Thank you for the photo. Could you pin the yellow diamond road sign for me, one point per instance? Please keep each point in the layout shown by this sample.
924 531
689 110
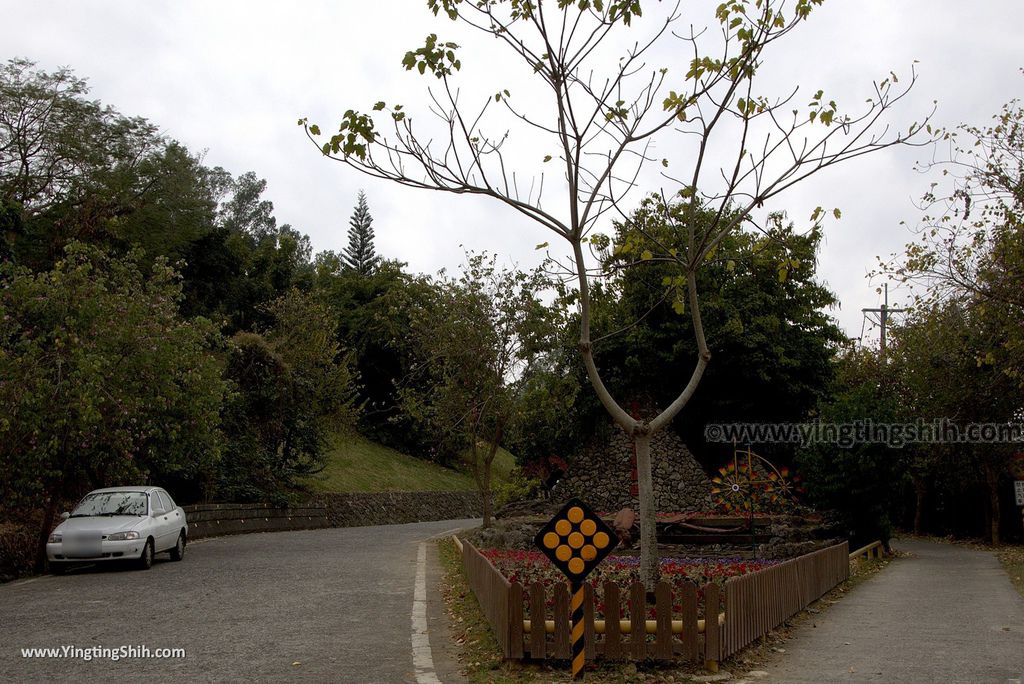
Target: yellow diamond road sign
576 540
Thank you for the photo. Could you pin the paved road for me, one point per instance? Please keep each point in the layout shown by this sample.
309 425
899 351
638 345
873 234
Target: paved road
321 605
944 614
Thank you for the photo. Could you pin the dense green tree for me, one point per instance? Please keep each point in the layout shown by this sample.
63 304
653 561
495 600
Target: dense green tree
212 273
11 228
961 353
550 390
77 170
53 141
101 381
360 255
374 315
72 169
292 387
765 313
767 320
942 373
861 481
472 350
245 260
246 212
934 376
304 333
970 238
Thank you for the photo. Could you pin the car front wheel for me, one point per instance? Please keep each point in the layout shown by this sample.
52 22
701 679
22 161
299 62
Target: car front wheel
145 561
58 568
178 552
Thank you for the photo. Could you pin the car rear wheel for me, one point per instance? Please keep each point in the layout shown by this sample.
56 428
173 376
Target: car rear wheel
145 561
178 552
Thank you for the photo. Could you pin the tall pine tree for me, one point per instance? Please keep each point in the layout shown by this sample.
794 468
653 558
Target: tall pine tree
360 255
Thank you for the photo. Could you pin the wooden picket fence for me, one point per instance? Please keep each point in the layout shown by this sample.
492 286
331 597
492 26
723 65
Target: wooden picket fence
761 601
748 608
873 550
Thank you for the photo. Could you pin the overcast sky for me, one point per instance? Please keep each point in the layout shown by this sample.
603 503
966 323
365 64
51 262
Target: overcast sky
233 77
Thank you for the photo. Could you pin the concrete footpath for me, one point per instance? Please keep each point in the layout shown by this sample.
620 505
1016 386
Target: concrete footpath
945 613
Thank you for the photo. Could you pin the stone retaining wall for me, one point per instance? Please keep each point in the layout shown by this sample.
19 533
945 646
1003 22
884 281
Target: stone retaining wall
392 508
331 510
601 475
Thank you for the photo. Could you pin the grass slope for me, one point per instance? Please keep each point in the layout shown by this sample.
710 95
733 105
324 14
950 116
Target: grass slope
356 464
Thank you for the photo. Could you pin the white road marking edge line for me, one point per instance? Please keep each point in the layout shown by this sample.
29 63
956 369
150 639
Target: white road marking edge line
422 659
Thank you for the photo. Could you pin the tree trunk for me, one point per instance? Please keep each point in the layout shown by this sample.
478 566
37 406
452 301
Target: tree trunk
649 570
44 532
485 494
920 492
482 471
992 480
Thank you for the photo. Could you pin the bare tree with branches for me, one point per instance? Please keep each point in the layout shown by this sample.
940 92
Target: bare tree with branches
601 116
968 242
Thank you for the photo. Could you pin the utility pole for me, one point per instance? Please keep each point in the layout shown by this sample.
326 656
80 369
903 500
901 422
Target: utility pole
883 318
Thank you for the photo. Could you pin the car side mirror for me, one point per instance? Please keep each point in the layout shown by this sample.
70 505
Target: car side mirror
65 515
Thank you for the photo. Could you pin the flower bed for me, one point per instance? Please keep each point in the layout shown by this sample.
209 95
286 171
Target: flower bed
710 515
527 567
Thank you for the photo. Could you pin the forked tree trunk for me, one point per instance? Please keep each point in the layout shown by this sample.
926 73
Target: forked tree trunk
641 431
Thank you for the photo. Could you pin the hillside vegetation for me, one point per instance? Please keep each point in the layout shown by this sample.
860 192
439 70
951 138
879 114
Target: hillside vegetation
356 464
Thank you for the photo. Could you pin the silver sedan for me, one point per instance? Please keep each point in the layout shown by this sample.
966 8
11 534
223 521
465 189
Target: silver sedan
119 523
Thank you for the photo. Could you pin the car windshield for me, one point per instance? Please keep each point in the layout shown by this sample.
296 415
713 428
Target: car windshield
111 503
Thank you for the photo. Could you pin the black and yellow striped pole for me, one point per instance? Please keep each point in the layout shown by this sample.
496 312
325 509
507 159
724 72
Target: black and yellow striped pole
579 655
576 541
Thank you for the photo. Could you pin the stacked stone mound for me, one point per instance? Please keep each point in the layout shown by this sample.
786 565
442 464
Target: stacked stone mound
601 475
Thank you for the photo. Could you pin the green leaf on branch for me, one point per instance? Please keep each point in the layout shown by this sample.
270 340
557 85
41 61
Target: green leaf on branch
447 6
439 58
353 136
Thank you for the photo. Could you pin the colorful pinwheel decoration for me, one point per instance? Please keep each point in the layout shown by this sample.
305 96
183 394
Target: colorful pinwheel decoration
752 484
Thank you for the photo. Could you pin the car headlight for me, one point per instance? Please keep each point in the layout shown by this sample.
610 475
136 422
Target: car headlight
56 538
123 536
